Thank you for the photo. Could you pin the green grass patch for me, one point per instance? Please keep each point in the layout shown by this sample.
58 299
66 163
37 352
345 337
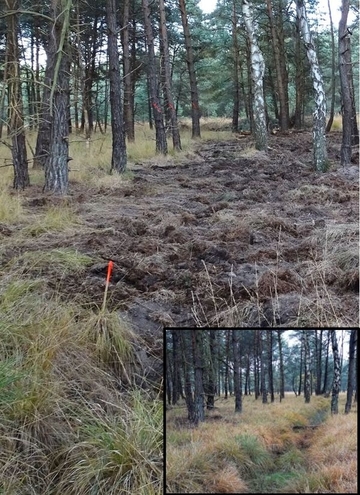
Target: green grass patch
56 219
255 451
63 260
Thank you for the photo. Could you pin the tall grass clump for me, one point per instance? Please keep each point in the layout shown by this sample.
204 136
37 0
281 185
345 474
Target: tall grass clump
70 422
55 219
11 210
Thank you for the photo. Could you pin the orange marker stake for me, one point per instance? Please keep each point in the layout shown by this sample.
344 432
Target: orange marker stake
109 270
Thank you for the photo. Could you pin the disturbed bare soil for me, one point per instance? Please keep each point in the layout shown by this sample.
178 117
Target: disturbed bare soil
226 236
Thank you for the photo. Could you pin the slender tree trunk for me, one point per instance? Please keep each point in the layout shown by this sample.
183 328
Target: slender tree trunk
161 142
236 64
56 165
16 120
119 156
351 372
128 76
257 75
195 108
307 387
350 133
176 367
301 365
270 367
227 357
333 71
282 380
324 389
280 80
167 80
211 388
337 377
319 137
299 80
318 352
185 338
237 371
263 367
198 376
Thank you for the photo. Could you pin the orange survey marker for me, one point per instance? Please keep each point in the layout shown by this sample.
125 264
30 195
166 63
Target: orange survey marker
109 270
110 267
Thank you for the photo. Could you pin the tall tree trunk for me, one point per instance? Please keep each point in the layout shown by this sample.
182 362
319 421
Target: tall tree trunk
270 366
227 357
128 76
337 377
257 75
333 71
263 367
301 365
197 343
257 352
350 133
236 64
16 125
176 367
186 351
319 137
280 80
161 142
324 389
351 372
282 380
318 351
213 357
119 156
56 165
307 389
237 371
167 79
195 108
299 79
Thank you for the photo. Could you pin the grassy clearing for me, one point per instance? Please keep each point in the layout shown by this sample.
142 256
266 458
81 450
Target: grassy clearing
261 451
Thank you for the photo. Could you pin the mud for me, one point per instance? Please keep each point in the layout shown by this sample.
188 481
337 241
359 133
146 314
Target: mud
226 236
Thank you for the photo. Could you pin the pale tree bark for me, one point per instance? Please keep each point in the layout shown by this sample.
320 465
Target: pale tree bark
58 66
350 132
16 121
160 134
257 75
195 108
167 79
237 371
337 377
119 156
351 372
319 115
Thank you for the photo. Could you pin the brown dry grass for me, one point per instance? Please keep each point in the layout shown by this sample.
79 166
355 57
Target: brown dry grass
258 451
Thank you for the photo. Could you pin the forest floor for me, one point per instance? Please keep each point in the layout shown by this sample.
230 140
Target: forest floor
223 235
265 449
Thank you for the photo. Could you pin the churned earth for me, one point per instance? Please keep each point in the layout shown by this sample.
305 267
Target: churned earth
226 235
